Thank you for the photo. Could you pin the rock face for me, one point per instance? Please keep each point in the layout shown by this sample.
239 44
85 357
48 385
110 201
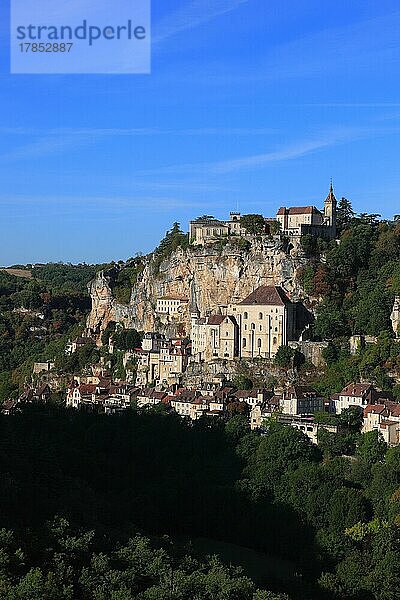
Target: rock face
104 306
219 277
396 316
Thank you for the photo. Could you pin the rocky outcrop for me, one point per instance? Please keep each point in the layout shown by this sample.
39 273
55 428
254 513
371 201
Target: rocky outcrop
219 277
104 306
395 317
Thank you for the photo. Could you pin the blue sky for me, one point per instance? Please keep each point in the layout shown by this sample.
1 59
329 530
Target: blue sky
250 104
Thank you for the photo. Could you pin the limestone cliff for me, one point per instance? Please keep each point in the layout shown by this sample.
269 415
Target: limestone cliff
219 276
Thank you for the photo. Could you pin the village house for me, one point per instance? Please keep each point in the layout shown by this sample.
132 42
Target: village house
193 408
10 407
88 395
216 336
251 397
172 306
149 397
182 401
164 364
42 393
302 400
264 410
354 394
384 418
43 367
147 366
120 398
77 344
152 341
173 360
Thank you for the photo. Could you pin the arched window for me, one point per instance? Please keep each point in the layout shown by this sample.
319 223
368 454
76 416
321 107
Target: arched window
244 343
259 343
245 315
260 315
253 326
275 341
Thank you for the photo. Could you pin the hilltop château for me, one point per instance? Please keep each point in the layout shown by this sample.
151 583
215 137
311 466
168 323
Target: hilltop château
294 221
303 220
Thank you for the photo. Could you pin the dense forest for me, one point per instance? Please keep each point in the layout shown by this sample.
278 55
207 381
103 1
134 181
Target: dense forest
39 310
135 505
354 282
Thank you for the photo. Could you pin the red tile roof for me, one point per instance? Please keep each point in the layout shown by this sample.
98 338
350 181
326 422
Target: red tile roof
266 295
356 389
375 409
215 319
298 210
303 391
388 423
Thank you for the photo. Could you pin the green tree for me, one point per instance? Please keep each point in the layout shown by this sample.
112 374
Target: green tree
371 447
253 223
345 214
284 357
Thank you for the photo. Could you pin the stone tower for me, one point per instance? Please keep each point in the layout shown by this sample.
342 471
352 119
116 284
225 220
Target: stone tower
330 208
193 308
396 316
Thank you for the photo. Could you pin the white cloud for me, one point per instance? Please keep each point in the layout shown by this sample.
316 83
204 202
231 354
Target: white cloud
191 15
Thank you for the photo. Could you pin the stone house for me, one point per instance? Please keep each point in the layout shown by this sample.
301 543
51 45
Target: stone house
77 343
302 400
88 395
354 394
9 407
261 411
216 336
182 401
43 367
172 306
251 397
163 365
152 341
385 418
209 229
173 361
42 393
149 397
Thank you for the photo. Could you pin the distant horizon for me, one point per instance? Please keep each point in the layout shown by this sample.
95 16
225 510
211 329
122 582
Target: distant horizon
248 105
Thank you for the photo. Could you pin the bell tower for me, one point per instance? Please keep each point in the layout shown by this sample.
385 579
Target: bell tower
330 208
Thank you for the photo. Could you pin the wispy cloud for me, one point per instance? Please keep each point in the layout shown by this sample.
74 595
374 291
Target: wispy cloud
55 141
73 205
191 15
358 47
297 149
